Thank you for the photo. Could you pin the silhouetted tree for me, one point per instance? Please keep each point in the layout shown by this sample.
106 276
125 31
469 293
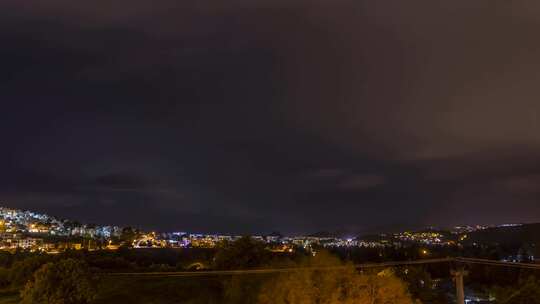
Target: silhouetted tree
4 277
241 254
22 271
68 281
420 284
127 236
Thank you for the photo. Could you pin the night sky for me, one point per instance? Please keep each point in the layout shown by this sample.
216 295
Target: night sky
253 116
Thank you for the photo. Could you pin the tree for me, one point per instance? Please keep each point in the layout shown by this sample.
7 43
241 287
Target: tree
325 280
127 236
241 254
4 277
68 281
22 271
527 292
420 284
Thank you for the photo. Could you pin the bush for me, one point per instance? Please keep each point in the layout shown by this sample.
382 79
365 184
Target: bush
22 271
68 281
242 254
4 277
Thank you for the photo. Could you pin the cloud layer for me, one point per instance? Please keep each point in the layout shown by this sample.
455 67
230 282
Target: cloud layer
252 116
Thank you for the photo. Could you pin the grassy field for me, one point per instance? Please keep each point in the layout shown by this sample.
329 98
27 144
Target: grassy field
160 290
163 290
9 297
156 290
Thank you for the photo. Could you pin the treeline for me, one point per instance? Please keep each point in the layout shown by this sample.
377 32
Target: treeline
85 277
406 252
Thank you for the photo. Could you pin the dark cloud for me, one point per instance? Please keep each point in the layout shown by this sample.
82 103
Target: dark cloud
525 185
271 115
362 182
123 182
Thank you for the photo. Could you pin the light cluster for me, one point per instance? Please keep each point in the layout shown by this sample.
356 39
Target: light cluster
35 231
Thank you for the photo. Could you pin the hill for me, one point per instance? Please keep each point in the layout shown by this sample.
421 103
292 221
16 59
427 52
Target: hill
507 235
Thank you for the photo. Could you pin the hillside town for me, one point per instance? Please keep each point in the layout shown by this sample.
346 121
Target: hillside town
28 230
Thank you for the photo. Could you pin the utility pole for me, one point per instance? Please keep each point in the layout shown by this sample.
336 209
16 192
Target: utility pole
458 279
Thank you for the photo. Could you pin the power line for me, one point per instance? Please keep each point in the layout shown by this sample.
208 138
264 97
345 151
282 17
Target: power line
403 263
497 263
357 266
277 270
